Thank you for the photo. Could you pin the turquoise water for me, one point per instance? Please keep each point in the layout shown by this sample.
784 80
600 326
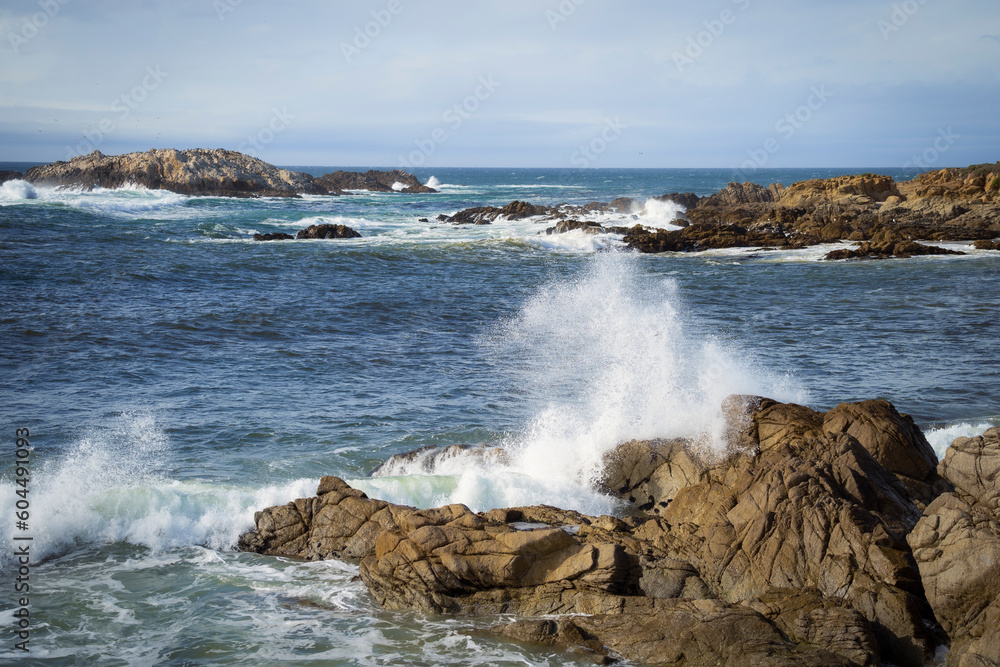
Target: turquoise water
176 377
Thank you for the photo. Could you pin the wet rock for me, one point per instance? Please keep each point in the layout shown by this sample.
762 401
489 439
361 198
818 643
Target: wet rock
327 231
10 176
888 243
957 549
195 171
374 181
564 226
339 522
985 244
273 236
484 215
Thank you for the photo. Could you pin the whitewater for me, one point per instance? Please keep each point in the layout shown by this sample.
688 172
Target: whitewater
177 377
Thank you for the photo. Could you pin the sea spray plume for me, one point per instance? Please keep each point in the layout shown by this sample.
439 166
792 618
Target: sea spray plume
605 358
597 360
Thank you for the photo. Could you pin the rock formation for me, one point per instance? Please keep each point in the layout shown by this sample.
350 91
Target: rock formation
327 231
957 549
484 215
374 181
816 538
10 176
196 171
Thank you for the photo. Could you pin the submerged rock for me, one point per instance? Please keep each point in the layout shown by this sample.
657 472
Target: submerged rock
273 236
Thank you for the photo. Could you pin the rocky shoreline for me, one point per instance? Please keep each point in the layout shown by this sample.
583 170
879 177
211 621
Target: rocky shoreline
885 218
831 538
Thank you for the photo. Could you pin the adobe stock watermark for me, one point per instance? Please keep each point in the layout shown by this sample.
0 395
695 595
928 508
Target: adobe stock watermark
256 142
33 23
787 127
942 143
901 14
454 116
223 7
714 29
565 9
122 106
587 154
364 35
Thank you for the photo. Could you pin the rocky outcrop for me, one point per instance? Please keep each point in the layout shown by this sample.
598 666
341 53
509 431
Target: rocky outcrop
705 236
846 190
986 245
888 243
327 231
484 215
980 182
957 549
195 171
273 236
10 176
792 543
374 181
586 226
736 194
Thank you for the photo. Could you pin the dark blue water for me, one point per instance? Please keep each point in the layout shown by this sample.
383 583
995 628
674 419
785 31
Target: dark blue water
176 377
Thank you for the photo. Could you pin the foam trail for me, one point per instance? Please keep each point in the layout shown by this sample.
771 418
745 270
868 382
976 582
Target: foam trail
602 359
110 488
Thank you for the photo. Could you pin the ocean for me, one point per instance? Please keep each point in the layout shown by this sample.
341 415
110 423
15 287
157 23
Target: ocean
175 376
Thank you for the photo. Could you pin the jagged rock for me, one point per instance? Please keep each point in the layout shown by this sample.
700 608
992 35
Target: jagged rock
985 244
809 507
327 231
10 176
702 236
957 549
340 522
688 200
736 194
677 632
889 243
895 442
196 171
864 189
564 226
273 236
484 215
372 180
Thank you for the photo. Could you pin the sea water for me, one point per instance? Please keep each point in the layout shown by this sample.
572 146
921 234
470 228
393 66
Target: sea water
176 376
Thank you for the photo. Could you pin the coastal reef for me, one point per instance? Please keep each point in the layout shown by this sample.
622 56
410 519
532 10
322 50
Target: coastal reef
812 538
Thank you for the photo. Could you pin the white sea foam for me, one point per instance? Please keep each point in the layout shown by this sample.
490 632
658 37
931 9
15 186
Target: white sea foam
110 487
602 359
576 241
941 438
397 186
433 182
17 190
661 213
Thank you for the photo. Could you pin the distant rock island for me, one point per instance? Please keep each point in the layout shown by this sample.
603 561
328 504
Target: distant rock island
210 172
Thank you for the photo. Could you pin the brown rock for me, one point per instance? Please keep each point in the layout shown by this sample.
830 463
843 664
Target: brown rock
957 549
196 171
984 244
895 442
340 522
10 176
484 215
587 227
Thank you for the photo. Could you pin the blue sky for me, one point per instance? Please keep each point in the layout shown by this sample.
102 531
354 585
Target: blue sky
549 83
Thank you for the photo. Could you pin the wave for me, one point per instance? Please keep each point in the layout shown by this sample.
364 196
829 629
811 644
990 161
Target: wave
111 487
599 359
17 190
661 213
941 438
